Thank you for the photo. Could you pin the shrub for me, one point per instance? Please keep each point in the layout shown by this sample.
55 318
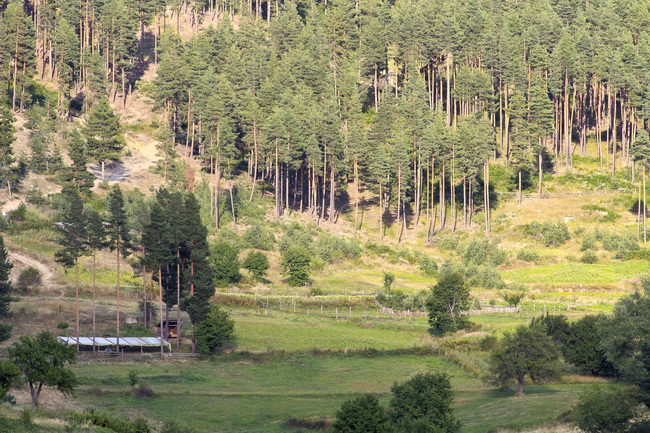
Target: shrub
604 411
143 390
34 196
588 243
256 237
174 427
548 233
389 279
295 235
603 214
424 403
362 414
29 277
329 248
484 252
216 331
257 264
528 255
133 378
448 243
589 257
428 266
295 265
225 263
63 325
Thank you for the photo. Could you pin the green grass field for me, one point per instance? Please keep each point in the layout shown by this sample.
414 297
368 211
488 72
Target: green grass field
259 393
569 272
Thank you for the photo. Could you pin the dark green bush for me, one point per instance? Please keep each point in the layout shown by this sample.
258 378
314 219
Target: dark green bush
256 237
226 264
256 263
548 233
448 243
295 235
528 255
214 332
589 257
484 252
330 248
29 277
428 266
295 264
588 243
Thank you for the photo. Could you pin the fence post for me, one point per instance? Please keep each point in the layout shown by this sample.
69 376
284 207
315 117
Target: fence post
337 312
267 302
321 309
350 311
280 303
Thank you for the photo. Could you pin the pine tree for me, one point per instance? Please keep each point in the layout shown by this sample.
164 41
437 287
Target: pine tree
157 243
119 239
18 44
96 240
5 291
77 177
73 235
199 275
104 134
7 137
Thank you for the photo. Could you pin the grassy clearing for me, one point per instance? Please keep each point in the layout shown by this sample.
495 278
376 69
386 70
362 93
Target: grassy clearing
560 273
285 331
258 393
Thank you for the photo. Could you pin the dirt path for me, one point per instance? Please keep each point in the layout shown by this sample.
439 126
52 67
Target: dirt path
46 272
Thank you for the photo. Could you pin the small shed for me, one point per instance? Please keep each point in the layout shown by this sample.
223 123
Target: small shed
107 344
173 328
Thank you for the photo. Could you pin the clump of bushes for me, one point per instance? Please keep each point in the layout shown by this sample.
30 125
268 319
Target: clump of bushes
528 255
448 243
428 266
604 214
548 233
257 237
117 425
331 248
480 252
29 278
589 257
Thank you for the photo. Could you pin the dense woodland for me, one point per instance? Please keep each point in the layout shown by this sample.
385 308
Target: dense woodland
408 100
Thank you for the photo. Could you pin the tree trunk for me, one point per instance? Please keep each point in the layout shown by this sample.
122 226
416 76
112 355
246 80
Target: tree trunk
178 299
520 383
160 303
76 295
332 194
118 296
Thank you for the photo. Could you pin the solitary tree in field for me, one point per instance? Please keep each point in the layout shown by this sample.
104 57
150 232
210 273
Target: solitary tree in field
447 300
528 352
44 361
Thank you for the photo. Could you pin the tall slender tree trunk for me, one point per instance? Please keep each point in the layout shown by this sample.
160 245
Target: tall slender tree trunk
160 304
332 195
118 296
76 295
94 316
